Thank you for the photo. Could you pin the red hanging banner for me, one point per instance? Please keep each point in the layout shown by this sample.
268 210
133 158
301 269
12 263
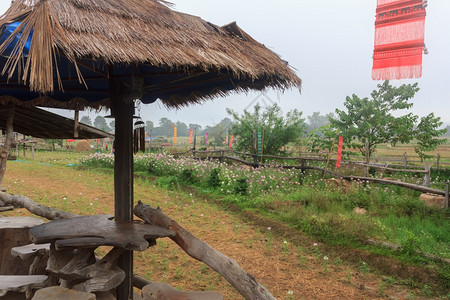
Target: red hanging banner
190 137
399 39
339 153
231 141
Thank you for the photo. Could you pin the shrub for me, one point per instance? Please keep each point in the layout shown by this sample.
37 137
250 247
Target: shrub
241 186
213 178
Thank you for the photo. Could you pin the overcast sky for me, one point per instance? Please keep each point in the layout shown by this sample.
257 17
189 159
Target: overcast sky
328 42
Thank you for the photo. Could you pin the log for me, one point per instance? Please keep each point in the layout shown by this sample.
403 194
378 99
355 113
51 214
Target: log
6 208
159 291
242 281
35 208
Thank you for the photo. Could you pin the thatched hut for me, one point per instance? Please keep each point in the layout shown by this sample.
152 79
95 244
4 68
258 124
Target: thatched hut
107 53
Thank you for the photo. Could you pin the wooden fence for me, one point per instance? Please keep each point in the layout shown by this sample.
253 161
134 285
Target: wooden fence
302 165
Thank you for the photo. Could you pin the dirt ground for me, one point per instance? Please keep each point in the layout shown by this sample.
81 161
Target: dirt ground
291 265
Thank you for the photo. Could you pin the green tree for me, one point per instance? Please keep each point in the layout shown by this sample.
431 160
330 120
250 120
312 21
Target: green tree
149 126
112 125
278 130
100 123
427 135
374 118
86 120
316 121
321 139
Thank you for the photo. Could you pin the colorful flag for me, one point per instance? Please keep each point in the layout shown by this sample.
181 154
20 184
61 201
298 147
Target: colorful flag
226 140
399 39
339 153
70 140
174 134
231 141
190 137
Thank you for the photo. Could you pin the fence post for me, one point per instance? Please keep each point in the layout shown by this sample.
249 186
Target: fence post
427 177
32 150
437 163
255 150
366 166
405 157
24 149
446 195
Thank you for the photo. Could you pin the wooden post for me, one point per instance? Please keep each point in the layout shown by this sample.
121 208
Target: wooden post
427 177
405 158
446 195
4 150
32 150
195 140
437 163
367 158
75 124
123 109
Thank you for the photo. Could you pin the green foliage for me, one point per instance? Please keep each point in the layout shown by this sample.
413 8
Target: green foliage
374 118
188 176
322 139
278 130
427 135
213 178
100 123
241 186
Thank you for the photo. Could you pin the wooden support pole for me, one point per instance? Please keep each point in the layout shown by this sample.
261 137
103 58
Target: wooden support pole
32 150
123 108
75 124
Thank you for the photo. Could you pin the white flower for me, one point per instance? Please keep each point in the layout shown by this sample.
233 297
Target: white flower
269 228
325 257
290 292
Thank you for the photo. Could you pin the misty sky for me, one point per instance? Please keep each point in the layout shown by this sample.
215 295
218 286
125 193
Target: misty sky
330 45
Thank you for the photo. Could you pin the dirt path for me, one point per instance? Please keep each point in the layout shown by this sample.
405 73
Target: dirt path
290 272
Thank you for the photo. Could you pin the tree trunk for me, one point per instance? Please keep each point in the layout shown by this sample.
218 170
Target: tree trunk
4 151
242 281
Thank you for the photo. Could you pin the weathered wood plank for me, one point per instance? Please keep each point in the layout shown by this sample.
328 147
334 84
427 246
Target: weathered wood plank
100 230
157 290
30 250
20 283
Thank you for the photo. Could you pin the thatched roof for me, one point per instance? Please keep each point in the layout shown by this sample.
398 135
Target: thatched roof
74 43
39 123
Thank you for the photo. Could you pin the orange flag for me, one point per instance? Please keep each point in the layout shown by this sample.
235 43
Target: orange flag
231 141
174 134
339 153
190 137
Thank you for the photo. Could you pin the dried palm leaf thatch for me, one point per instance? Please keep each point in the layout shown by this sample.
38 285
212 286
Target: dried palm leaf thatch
134 32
